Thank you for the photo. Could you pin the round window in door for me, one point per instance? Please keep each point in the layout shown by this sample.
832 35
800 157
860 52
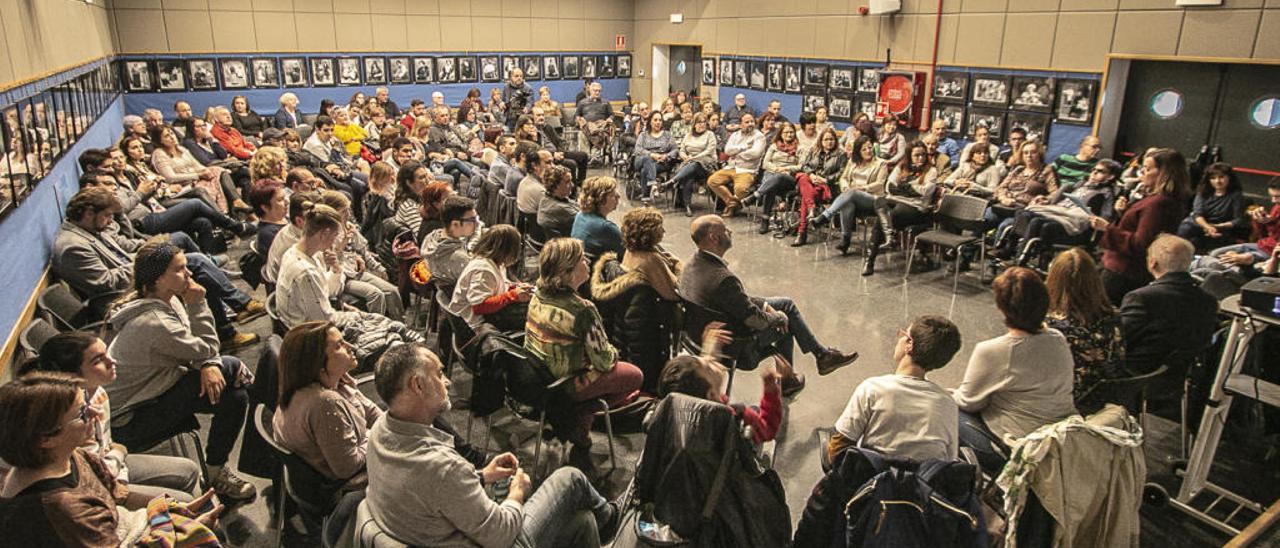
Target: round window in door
681 68
1166 103
1265 113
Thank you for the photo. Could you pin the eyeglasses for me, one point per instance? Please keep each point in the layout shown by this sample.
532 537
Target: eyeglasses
82 416
469 220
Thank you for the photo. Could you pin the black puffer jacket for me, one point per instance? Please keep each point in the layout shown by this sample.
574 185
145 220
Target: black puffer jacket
639 321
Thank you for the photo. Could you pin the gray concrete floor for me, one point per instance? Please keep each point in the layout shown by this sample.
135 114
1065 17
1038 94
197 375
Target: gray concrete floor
844 310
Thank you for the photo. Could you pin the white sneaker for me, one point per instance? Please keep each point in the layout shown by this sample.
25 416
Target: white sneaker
228 485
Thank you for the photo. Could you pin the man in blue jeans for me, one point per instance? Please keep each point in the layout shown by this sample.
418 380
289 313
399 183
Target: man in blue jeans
422 492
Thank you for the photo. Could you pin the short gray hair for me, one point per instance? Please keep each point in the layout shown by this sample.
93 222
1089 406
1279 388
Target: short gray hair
397 365
1172 253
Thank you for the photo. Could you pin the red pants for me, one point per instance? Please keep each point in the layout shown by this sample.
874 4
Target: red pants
616 387
810 194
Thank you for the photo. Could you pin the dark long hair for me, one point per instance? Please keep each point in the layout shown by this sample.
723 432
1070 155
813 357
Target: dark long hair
302 356
1219 168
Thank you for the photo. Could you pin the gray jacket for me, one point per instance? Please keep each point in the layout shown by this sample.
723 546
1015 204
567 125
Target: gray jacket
92 264
156 343
446 256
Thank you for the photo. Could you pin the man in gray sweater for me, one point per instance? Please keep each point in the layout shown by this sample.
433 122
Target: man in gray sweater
422 492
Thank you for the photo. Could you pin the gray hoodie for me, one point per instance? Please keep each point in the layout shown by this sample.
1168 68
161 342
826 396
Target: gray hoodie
157 342
446 256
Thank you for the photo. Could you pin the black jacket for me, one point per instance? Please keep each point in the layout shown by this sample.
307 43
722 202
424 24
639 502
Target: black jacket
639 321
713 293
1169 318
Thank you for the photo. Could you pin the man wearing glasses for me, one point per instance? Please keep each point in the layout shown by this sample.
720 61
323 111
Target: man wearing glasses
447 250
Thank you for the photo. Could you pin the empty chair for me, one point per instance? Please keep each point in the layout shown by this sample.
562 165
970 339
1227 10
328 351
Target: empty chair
70 312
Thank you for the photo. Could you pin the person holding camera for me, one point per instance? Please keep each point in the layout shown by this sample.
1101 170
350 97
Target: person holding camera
518 97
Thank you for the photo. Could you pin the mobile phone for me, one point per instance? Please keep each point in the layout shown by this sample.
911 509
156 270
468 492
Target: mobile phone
404 235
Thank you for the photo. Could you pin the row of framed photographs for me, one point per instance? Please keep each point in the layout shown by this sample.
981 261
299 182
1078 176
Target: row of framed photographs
1072 104
37 129
144 75
789 77
965 120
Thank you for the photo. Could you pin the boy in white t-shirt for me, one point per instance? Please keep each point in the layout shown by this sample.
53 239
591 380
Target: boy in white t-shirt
905 415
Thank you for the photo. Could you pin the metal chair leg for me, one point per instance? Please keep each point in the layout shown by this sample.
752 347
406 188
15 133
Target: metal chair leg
955 281
608 428
537 446
911 255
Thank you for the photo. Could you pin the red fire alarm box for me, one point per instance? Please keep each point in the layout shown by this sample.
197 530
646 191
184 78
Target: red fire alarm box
903 92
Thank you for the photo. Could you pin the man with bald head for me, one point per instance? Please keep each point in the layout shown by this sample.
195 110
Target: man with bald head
733 116
1074 168
1171 316
946 145
759 326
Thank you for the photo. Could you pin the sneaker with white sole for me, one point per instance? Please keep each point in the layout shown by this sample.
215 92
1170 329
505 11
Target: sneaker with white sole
228 485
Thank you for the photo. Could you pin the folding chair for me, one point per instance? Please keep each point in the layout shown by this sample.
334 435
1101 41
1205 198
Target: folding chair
34 335
956 214
69 312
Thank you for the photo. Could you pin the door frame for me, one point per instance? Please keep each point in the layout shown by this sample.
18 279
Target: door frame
660 77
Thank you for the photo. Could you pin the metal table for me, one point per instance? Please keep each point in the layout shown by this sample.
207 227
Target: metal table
1228 383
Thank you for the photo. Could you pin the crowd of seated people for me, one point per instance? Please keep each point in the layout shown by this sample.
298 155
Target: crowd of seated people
344 217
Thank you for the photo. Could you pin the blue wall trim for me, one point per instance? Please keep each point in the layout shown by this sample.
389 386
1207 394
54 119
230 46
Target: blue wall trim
26 235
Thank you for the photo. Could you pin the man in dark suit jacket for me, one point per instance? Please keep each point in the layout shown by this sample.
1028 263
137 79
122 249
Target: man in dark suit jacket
770 326
1171 317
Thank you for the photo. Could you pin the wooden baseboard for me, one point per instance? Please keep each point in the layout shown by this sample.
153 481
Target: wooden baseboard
28 311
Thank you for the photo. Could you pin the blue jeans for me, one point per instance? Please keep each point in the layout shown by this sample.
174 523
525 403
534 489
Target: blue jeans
771 185
797 333
975 435
565 511
688 175
219 291
848 205
195 217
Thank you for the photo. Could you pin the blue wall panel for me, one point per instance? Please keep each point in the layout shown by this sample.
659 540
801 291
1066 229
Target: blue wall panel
26 235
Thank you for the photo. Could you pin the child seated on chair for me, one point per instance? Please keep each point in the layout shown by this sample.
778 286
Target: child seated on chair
905 415
705 377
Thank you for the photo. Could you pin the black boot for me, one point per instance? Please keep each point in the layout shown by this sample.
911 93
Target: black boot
869 267
801 239
750 200
818 221
764 226
846 240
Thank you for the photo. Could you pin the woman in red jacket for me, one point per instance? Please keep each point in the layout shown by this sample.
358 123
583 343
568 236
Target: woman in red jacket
1165 185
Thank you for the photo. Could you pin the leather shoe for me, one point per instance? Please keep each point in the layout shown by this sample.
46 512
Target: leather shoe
254 309
801 239
732 209
833 359
749 200
792 385
239 340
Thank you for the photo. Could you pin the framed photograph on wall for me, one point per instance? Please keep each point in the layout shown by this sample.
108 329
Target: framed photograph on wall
608 66
572 69
989 90
323 72
171 75
868 80
509 63
741 74
375 70
138 76
490 69
992 119
1075 100
726 72
708 71
446 70
348 71
950 87
294 70
424 70
1033 93
401 70
550 67
792 78
773 76
815 76
624 65
842 79
467 69
812 102
840 106
202 73
589 66
1036 124
532 67
757 76
264 73
952 114
235 73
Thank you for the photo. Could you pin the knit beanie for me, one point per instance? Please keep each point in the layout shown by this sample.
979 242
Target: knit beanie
151 263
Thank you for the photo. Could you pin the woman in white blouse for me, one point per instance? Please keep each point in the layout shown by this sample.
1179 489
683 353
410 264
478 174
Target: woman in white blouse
176 164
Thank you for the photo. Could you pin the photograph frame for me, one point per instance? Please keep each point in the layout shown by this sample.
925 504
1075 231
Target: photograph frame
810 102
424 70
741 73
725 74
324 71
840 105
1068 107
815 75
709 75
773 76
588 65
623 63
976 116
953 113
951 87
395 74
842 79
375 69
792 78
490 70
268 77
234 72
533 62
1023 96
467 72
570 67
551 68
138 76
294 72
510 62
869 80
989 90
446 70
202 74
1037 124
350 71
607 67
174 68
758 78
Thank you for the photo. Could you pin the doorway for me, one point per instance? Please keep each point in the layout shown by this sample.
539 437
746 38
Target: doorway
675 68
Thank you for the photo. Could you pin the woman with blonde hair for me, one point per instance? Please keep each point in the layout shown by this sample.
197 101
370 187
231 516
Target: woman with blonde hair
566 333
176 164
598 198
365 278
269 163
1078 307
346 130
